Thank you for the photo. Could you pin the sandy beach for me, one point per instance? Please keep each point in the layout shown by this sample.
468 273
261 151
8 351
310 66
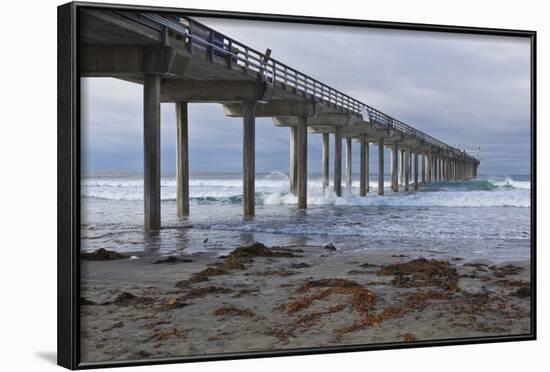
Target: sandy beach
274 298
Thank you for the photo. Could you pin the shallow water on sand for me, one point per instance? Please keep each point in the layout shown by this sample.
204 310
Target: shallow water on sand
484 218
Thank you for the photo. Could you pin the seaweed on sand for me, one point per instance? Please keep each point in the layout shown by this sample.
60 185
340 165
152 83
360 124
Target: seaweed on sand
103 254
231 310
422 273
238 259
127 299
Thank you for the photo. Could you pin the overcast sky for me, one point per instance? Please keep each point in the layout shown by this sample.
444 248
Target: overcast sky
464 90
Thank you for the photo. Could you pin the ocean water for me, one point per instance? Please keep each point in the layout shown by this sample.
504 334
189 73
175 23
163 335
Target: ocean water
483 218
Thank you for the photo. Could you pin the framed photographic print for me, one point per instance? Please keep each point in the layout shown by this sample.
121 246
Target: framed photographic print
237 185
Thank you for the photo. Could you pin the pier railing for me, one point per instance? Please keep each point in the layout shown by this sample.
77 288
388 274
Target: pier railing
273 71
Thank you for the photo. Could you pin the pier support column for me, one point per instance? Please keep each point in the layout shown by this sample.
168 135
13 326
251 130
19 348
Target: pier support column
348 164
381 167
302 162
394 181
249 157
434 169
182 160
338 161
364 165
402 168
293 158
407 169
415 167
325 161
151 151
429 166
423 167
439 168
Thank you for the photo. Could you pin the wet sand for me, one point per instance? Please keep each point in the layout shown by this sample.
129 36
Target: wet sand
258 299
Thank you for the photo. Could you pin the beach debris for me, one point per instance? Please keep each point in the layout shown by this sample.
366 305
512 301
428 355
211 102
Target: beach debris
399 255
422 273
523 292
164 335
330 247
303 322
361 297
172 259
205 240
232 310
115 325
103 254
127 298
238 259
502 271
366 265
175 303
419 299
301 265
279 272
205 291
142 354
85 301
409 337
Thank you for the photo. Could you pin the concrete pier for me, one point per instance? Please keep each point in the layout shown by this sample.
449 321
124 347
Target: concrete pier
168 58
434 168
402 168
364 165
338 161
423 167
182 160
407 169
381 167
302 162
249 157
293 170
348 164
325 161
151 151
415 168
394 169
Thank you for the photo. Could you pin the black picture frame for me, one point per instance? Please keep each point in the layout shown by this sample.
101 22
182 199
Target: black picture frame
68 214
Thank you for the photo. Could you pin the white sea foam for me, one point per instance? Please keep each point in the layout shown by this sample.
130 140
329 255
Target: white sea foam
272 189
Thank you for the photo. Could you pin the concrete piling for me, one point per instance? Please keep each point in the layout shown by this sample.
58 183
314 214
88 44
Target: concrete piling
338 161
325 161
348 164
302 162
415 167
293 158
380 167
407 169
364 165
394 181
423 167
249 155
151 151
182 160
